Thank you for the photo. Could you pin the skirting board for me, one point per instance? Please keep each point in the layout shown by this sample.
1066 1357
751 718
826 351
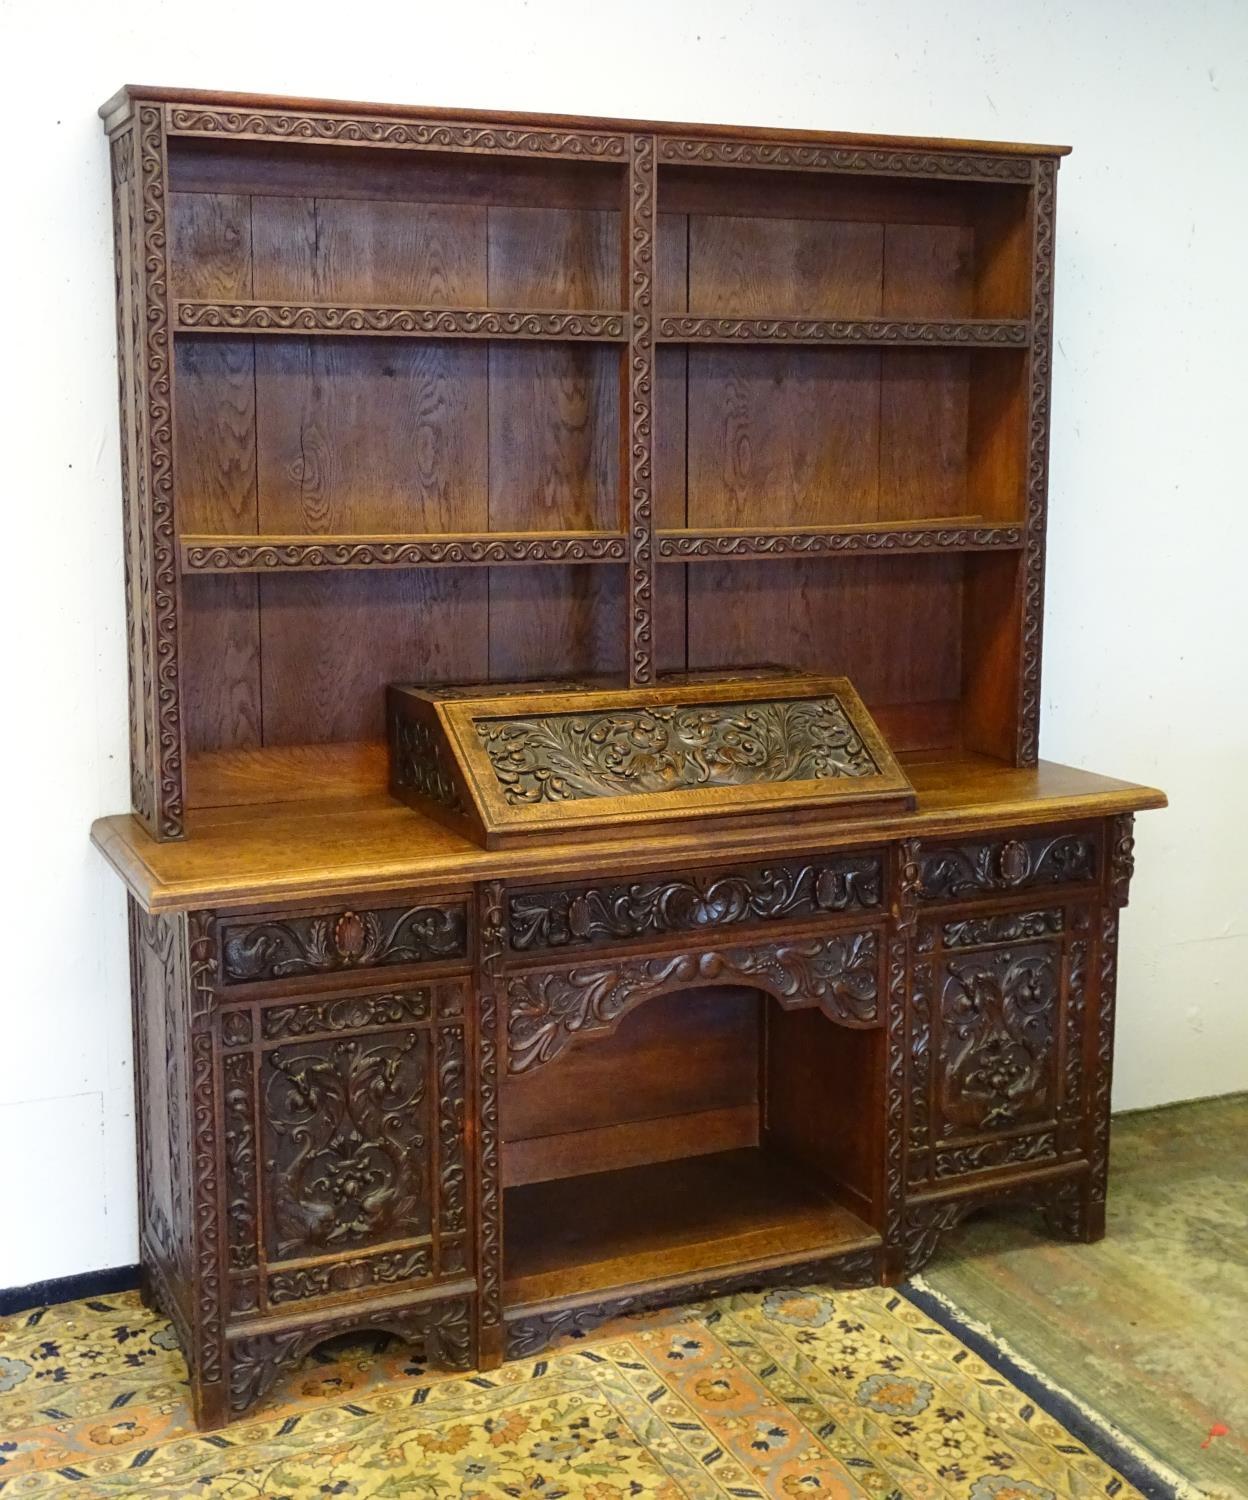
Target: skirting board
102 1283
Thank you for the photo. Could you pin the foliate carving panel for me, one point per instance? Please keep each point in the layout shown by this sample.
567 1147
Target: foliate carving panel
1121 858
992 867
980 1156
547 1008
285 947
623 752
346 1013
691 902
419 762
998 1021
346 1142
240 1159
1005 927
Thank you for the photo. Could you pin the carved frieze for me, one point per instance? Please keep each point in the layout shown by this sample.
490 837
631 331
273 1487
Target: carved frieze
360 1273
284 947
346 1142
816 157
964 331
998 1019
492 941
991 866
639 273
696 546
346 1013
981 1156
622 752
547 1008
433 322
702 900
200 555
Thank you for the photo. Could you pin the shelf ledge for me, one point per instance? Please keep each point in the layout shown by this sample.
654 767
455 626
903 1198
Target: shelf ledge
285 554
1013 333
404 322
943 534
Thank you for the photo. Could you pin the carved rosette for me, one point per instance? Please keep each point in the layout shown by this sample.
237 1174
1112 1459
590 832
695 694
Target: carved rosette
1039 378
639 248
548 1008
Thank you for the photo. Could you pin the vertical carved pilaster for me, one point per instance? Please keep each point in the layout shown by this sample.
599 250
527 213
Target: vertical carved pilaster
1121 857
207 1364
1075 1020
1098 1151
907 884
492 938
895 1104
637 428
1039 380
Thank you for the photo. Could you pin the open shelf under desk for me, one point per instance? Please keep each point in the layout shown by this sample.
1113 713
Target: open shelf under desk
613 1230
963 533
372 320
205 552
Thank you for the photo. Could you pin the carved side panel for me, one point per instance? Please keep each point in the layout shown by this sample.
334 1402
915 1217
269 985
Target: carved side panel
639 446
139 174
162 1086
346 1131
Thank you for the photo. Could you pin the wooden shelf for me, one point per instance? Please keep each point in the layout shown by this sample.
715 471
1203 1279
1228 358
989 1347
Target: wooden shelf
942 534
206 553
612 1230
976 333
306 318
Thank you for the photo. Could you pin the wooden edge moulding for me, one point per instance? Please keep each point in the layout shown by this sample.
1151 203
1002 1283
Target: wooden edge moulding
652 973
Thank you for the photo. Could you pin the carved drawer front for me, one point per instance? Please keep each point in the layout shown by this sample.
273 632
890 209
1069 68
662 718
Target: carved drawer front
345 1154
997 1015
649 906
292 946
998 867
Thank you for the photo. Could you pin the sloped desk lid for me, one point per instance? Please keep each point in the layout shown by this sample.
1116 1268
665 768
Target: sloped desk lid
512 763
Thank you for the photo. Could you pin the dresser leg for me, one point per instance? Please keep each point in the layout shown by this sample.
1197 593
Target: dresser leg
210 1404
491 1350
1073 1213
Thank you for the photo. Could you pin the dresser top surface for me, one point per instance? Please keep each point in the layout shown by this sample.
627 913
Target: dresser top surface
261 853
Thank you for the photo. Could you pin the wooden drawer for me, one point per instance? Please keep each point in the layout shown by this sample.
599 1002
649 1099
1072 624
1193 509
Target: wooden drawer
283 946
973 868
651 906
344 1149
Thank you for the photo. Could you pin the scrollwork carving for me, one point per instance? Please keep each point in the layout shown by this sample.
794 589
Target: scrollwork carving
1099 1105
375 130
452 1124
909 884
633 751
981 1156
964 331
429 322
706 899
304 1283
1040 364
971 869
1121 858
693 546
348 1013
492 940
546 1009
239 1136
324 944
639 249
815 157
202 555
1004 927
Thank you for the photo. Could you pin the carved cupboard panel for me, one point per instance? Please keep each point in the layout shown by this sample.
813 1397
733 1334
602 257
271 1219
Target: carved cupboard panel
344 1144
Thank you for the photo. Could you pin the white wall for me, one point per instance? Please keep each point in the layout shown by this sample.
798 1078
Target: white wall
1144 672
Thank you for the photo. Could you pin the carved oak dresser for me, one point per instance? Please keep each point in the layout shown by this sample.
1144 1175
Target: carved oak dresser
596 965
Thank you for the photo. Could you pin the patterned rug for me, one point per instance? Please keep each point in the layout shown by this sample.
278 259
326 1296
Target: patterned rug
805 1394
